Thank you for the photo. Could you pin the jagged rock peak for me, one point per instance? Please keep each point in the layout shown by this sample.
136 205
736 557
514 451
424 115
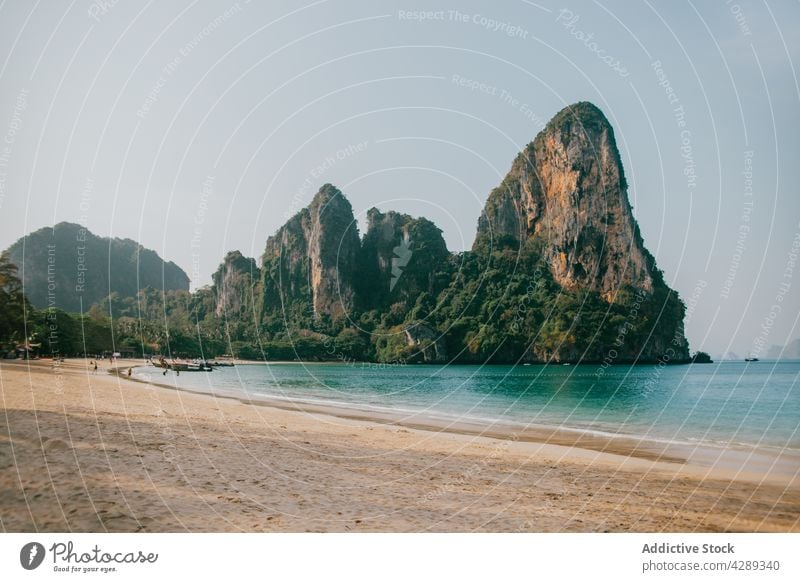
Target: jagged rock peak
400 256
235 261
585 113
311 259
235 284
330 196
388 227
568 189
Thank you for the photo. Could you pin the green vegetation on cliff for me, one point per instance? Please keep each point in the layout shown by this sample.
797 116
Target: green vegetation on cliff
13 303
558 273
70 268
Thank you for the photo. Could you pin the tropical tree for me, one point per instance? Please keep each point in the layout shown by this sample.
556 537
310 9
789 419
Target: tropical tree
13 303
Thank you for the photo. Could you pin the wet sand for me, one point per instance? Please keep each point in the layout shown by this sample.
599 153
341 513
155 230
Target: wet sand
97 452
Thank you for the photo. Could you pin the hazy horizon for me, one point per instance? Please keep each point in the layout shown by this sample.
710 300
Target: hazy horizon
198 128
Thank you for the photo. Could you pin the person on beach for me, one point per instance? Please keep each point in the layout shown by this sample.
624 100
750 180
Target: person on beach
130 371
94 366
163 363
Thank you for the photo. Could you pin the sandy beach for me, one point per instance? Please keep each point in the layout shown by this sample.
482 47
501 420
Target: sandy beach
97 452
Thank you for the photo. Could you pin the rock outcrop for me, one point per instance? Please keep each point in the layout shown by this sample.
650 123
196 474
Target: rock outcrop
568 188
310 263
558 271
429 345
236 285
401 257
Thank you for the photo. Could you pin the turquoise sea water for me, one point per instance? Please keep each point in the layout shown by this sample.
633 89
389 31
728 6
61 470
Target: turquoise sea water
731 403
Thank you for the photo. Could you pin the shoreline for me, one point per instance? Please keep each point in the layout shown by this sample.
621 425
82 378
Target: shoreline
93 452
699 459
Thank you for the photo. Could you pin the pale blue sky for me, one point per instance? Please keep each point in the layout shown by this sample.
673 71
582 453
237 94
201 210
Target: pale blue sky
199 126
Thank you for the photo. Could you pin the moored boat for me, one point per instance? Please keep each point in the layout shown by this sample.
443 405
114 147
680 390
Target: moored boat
182 366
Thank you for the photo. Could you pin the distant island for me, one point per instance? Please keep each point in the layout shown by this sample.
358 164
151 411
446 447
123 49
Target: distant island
558 273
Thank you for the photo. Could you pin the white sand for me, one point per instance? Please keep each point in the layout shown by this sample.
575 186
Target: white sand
85 452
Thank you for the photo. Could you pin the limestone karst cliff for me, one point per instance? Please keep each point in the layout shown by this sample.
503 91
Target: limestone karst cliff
558 271
309 265
401 258
236 284
568 187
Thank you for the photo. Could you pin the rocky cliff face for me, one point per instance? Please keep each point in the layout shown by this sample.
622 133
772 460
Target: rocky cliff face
429 346
69 267
236 284
558 271
568 188
310 263
400 259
